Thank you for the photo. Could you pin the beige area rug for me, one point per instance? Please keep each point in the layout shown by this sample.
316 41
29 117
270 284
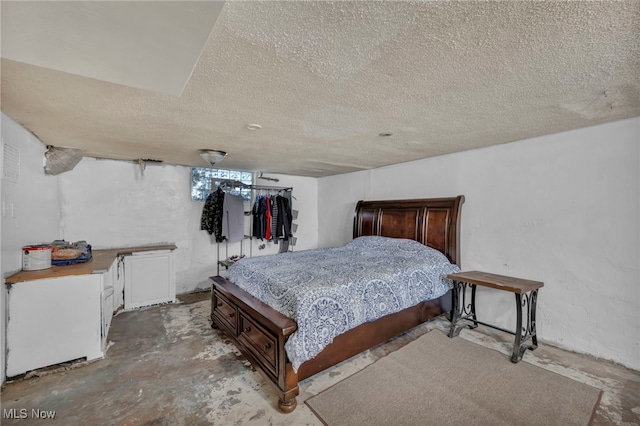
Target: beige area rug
436 380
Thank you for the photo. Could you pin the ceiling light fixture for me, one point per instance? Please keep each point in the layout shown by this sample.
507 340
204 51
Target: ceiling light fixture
252 127
212 156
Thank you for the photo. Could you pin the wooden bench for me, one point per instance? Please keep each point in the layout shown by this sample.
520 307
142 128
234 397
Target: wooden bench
526 293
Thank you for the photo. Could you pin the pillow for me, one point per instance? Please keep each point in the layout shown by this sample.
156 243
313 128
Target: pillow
390 244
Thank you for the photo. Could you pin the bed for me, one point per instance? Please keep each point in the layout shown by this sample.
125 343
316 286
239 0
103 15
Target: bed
262 333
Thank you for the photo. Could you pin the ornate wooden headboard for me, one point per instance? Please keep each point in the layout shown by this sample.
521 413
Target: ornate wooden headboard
434 222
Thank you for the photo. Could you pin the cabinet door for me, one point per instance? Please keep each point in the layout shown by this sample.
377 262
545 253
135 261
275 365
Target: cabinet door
149 279
53 320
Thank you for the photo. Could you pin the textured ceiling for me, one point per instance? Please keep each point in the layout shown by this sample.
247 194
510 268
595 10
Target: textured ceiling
322 79
112 41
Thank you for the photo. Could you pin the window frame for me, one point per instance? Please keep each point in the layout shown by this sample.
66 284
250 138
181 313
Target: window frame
202 178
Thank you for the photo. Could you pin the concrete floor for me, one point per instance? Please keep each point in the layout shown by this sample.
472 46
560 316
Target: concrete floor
166 366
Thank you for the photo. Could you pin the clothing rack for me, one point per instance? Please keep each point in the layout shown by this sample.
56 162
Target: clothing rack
236 184
230 183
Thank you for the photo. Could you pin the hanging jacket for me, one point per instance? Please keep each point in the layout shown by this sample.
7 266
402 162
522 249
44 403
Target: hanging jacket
211 220
233 218
285 218
274 218
259 213
267 218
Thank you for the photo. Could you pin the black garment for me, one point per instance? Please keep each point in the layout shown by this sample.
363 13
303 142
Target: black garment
211 220
285 218
274 218
259 213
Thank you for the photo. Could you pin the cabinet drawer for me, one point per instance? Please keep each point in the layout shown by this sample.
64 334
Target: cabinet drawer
225 310
259 341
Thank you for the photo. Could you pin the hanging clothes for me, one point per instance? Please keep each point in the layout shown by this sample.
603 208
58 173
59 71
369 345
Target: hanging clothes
255 224
211 220
267 217
233 218
259 213
283 225
274 218
223 216
285 219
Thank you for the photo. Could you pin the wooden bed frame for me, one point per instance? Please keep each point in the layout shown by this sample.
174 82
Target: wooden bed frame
260 332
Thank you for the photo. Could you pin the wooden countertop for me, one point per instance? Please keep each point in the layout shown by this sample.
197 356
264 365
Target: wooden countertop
100 262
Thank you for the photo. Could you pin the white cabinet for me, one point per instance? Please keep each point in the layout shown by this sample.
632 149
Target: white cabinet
62 314
54 320
149 278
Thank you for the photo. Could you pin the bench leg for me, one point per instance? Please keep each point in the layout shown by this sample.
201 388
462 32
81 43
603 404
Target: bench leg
460 310
532 314
517 355
524 333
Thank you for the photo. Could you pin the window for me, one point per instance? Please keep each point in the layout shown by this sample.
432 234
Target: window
201 182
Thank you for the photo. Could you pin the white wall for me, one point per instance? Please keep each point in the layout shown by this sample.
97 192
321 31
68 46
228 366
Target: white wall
112 204
31 213
563 209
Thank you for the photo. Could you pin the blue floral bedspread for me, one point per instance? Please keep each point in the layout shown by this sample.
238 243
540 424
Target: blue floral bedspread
332 290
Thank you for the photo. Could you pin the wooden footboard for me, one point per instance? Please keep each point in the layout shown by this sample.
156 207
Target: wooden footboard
260 333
